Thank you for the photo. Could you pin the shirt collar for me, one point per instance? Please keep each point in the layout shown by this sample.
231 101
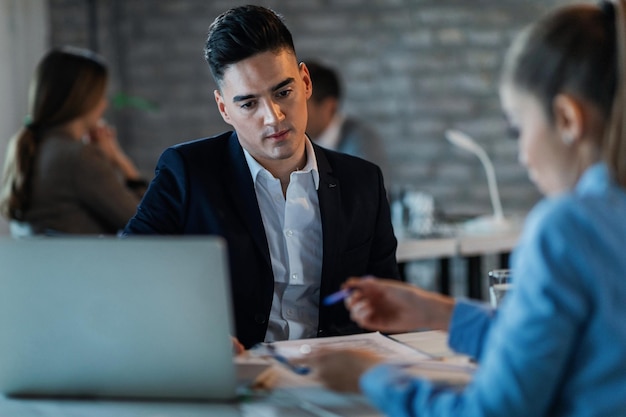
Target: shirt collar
595 179
309 166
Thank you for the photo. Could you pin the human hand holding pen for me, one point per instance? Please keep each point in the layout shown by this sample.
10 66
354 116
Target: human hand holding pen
340 295
337 296
268 349
340 369
392 306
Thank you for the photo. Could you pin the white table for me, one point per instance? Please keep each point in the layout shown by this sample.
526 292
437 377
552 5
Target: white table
305 402
413 249
472 247
309 401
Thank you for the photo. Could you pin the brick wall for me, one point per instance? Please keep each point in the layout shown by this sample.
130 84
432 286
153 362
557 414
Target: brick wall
413 68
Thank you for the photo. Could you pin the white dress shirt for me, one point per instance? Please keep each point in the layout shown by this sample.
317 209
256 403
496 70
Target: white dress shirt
293 227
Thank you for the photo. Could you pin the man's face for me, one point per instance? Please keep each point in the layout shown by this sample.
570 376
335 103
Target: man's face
264 99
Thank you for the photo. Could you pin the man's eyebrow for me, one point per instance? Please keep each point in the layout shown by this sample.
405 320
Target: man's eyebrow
275 88
242 98
283 84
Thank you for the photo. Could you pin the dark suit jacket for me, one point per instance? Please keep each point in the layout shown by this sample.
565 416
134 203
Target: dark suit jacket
205 187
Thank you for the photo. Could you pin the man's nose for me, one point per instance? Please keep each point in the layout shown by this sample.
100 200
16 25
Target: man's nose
273 113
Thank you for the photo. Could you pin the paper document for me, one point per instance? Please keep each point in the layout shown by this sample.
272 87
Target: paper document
432 342
375 342
416 361
280 376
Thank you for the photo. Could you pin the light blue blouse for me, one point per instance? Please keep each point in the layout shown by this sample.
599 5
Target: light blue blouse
557 345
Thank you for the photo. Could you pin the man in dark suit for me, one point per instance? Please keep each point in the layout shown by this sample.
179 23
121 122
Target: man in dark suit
298 219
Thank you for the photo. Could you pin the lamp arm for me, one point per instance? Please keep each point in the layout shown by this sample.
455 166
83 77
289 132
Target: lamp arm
491 182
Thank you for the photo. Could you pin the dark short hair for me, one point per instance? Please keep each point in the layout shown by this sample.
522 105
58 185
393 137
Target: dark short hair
242 32
325 81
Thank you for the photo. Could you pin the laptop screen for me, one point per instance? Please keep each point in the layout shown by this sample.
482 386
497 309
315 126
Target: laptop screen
136 317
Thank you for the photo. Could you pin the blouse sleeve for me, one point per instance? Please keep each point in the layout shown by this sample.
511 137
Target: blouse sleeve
469 326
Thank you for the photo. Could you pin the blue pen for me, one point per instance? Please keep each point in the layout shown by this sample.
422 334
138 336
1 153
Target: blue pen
337 296
270 350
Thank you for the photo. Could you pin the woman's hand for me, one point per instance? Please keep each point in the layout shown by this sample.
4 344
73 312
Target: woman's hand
340 370
105 138
392 306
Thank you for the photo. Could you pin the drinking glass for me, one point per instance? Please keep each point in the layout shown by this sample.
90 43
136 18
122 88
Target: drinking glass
499 285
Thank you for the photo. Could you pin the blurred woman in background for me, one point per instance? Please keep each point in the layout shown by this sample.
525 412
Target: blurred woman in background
65 172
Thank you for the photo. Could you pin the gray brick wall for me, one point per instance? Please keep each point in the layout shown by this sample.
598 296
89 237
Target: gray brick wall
413 68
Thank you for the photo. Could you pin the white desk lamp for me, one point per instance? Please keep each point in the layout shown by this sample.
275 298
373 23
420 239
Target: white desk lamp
495 222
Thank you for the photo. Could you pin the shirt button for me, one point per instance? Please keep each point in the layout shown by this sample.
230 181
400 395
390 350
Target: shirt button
289 233
294 276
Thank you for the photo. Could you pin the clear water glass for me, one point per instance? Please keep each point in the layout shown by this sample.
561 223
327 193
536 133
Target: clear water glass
499 284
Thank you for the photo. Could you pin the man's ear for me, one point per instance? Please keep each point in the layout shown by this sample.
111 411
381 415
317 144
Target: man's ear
221 106
569 118
306 78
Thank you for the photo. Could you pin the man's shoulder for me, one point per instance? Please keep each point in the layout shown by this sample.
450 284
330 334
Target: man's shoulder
213 150
206 143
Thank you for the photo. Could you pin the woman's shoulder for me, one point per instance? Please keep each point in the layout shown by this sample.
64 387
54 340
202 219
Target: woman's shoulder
572 219
60 153
62 145
556 217
73 156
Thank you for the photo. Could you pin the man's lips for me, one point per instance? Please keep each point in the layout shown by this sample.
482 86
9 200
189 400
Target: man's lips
279 135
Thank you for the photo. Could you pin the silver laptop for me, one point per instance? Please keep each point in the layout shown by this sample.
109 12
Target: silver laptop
142 317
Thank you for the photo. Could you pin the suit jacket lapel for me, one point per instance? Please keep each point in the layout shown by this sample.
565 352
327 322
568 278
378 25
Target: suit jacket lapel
244 196
329 194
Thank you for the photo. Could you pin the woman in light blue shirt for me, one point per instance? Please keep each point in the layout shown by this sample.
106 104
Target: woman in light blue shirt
557 345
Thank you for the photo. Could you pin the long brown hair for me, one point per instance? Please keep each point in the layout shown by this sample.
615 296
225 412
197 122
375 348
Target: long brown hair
580 50
615 145
68 83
